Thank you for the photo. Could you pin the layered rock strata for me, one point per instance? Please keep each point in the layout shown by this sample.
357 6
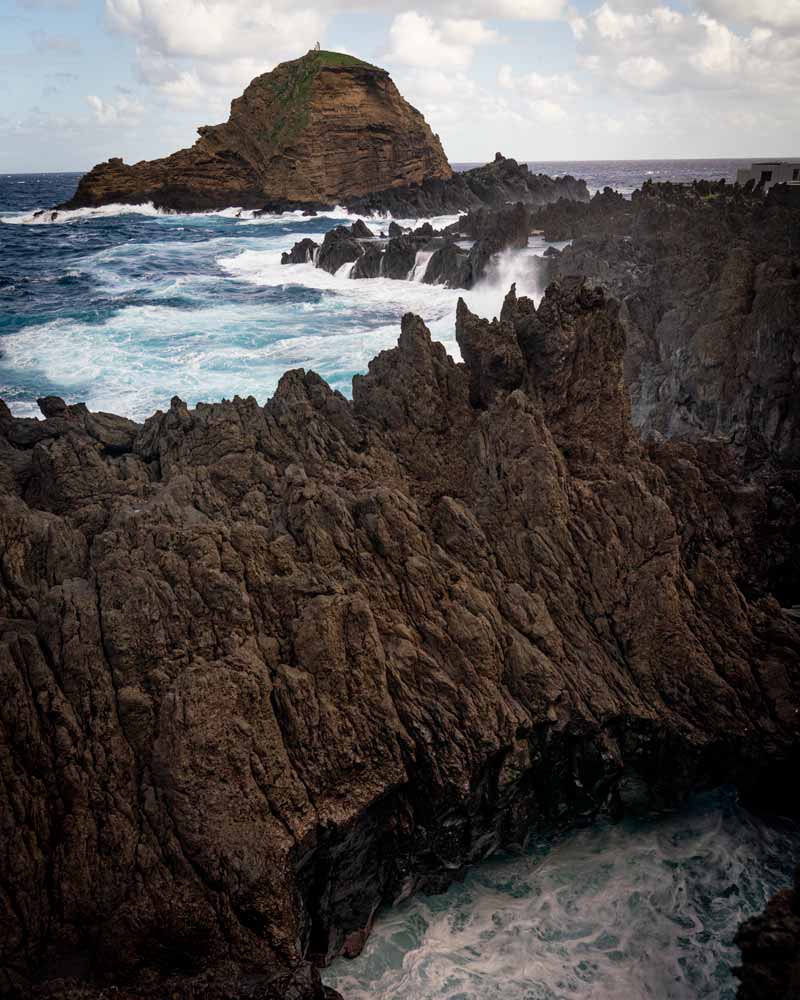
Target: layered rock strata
318 130
267 668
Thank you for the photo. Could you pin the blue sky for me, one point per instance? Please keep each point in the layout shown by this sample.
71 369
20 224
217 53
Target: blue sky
82 80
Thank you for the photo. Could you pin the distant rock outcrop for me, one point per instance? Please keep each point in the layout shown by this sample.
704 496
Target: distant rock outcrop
266 668
502 182
321 129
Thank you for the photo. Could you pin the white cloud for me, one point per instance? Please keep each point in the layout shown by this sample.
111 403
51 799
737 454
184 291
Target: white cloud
642 71
666 50
547 112
219 29
505 76
576 22
538 84
121 110
183 89
418 40
525 10
611 24
513 10
721 52
783 14
188 49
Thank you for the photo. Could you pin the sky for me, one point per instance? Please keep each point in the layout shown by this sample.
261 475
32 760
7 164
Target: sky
84 80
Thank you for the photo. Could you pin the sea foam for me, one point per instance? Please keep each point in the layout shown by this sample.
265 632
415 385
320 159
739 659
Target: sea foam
199 306
643 909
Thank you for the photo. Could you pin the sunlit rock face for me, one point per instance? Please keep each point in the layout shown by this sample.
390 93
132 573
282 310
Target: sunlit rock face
321 129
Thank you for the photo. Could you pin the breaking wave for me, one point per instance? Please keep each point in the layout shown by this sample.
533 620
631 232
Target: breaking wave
53 216
124 306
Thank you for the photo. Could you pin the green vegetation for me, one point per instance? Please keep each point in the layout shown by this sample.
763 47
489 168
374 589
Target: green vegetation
289 87
339 59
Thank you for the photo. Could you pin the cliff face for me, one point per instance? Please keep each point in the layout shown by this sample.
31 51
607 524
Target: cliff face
710 286
265 668
323 128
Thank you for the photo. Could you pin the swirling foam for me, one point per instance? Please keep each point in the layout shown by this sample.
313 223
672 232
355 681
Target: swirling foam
624 912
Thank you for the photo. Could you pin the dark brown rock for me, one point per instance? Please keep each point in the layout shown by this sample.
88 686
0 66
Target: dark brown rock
303 252
369 264
275 666
339 247
317 131
508 226
492 354
770 946
709 286
361 230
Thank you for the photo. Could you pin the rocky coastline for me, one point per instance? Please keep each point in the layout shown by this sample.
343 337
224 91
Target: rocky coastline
314 133
268 668
770 946
457 256
707 277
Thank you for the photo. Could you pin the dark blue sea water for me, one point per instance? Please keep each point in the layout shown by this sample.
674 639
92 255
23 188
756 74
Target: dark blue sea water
124 309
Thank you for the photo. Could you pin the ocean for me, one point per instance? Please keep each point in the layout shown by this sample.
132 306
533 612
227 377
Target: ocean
647 908
125 308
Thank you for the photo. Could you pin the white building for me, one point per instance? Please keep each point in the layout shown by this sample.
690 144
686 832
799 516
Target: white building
770 172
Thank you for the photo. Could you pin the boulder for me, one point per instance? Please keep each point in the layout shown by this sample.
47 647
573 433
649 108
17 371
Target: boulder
361 230
339 247
369 264
400 257
301 253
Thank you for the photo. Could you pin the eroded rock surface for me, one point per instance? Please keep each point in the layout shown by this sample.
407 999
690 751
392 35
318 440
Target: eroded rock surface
770 946
709 281
266 668
502 182
317 130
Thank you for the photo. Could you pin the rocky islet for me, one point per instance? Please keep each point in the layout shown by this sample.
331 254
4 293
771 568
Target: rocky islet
317 130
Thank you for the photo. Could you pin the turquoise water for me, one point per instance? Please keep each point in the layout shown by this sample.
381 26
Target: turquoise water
616 912
123 309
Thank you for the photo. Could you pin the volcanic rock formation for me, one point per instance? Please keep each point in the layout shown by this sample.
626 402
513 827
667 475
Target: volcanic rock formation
267 668
770 946
321 129
495 184
444 262
709 281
